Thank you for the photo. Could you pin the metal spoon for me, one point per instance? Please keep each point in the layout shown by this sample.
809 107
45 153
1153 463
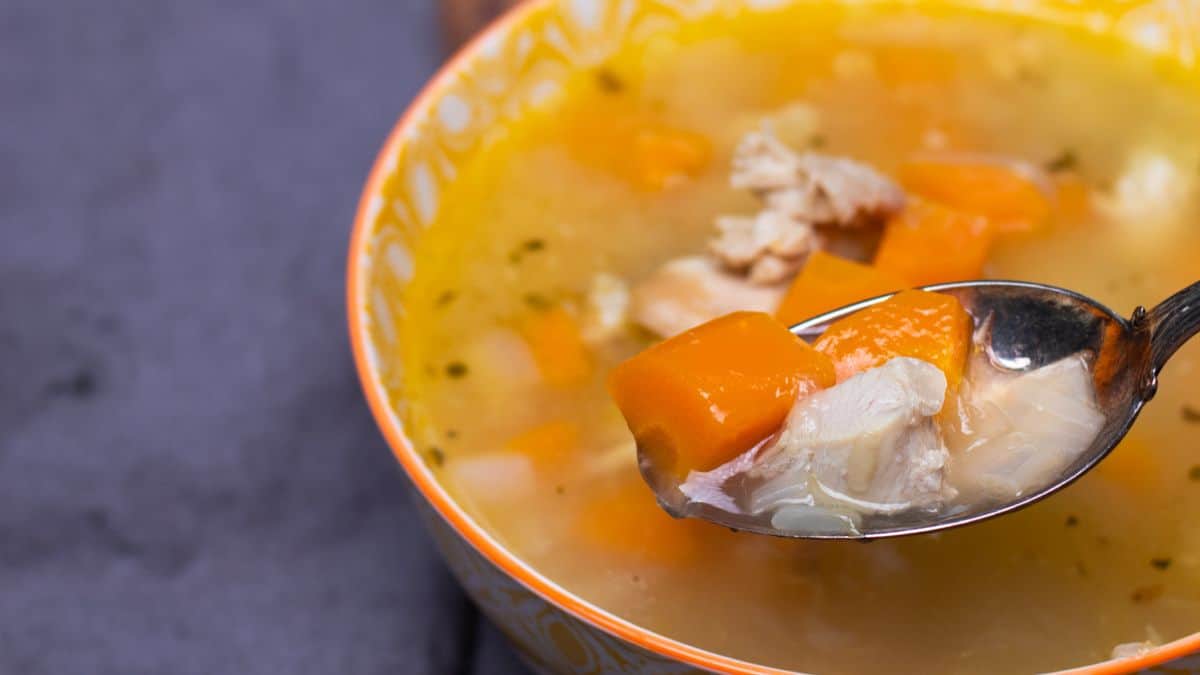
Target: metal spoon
1031 325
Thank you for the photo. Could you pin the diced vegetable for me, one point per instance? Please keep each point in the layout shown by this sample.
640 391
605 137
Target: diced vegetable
662 155
828 282
929 244
627 519
705 396
932 327
640 150
1010 200
558 348
546 444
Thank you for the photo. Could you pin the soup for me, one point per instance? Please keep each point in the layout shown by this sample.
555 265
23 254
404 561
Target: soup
518 284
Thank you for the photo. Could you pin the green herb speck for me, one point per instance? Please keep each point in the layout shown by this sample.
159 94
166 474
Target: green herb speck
1064 161
1194 473
1146 594
1160 563
1190 414
1072 521
608 81
456 369
437 456
534 245
537 301
817 142
445 298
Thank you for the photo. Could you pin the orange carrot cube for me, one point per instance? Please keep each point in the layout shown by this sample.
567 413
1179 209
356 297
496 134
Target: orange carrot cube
932 327
705 396
547 444
558 348
828 282
928 244
1009 200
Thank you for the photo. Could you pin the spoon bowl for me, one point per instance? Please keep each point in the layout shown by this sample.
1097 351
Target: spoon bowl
1020 326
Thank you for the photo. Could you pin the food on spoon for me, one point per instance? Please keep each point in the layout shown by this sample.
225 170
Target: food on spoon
818 457
1016 432
700 398
929 326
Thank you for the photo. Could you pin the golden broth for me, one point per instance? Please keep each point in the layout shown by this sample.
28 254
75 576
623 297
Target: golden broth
533 218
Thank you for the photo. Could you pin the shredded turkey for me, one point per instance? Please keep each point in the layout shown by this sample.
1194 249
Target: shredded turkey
869 444
799 193
1016 432
687 292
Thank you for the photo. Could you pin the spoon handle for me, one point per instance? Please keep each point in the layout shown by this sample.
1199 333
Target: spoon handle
1173 322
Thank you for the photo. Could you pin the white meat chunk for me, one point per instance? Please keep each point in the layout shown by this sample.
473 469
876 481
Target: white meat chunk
799 193
870 441
687 292
1016 432
812 188
607 309
769 248
1129 650
869 444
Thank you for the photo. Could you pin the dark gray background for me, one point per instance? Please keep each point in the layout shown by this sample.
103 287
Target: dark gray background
189 478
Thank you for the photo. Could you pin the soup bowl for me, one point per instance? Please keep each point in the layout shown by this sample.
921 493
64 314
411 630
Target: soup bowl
511 68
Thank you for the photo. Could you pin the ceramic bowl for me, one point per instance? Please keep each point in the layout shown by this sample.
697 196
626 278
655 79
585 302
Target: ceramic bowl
514 66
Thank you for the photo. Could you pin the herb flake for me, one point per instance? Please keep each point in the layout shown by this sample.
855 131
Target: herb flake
437 456
1190 414
608 81
456 369
1194 473
1072 521
445 298
537 301
1064 161
1146 594
1160 563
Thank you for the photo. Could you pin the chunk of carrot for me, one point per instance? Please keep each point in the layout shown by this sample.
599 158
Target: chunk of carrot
703 397
662 156
558 348
642 151
547 444
828 282
627 519
932 327
1009 200
928 244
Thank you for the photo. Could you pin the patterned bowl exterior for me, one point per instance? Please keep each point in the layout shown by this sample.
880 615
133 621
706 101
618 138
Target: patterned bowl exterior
514 66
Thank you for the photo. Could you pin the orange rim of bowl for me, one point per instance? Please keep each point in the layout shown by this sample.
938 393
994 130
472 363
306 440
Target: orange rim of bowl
455 516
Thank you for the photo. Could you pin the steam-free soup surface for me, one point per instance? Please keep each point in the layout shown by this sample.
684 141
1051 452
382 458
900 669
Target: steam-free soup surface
518 426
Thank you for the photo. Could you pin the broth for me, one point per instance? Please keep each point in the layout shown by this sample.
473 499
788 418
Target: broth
528 224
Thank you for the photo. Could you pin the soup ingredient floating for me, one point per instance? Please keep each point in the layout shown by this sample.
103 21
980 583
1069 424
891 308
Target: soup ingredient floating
911 412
